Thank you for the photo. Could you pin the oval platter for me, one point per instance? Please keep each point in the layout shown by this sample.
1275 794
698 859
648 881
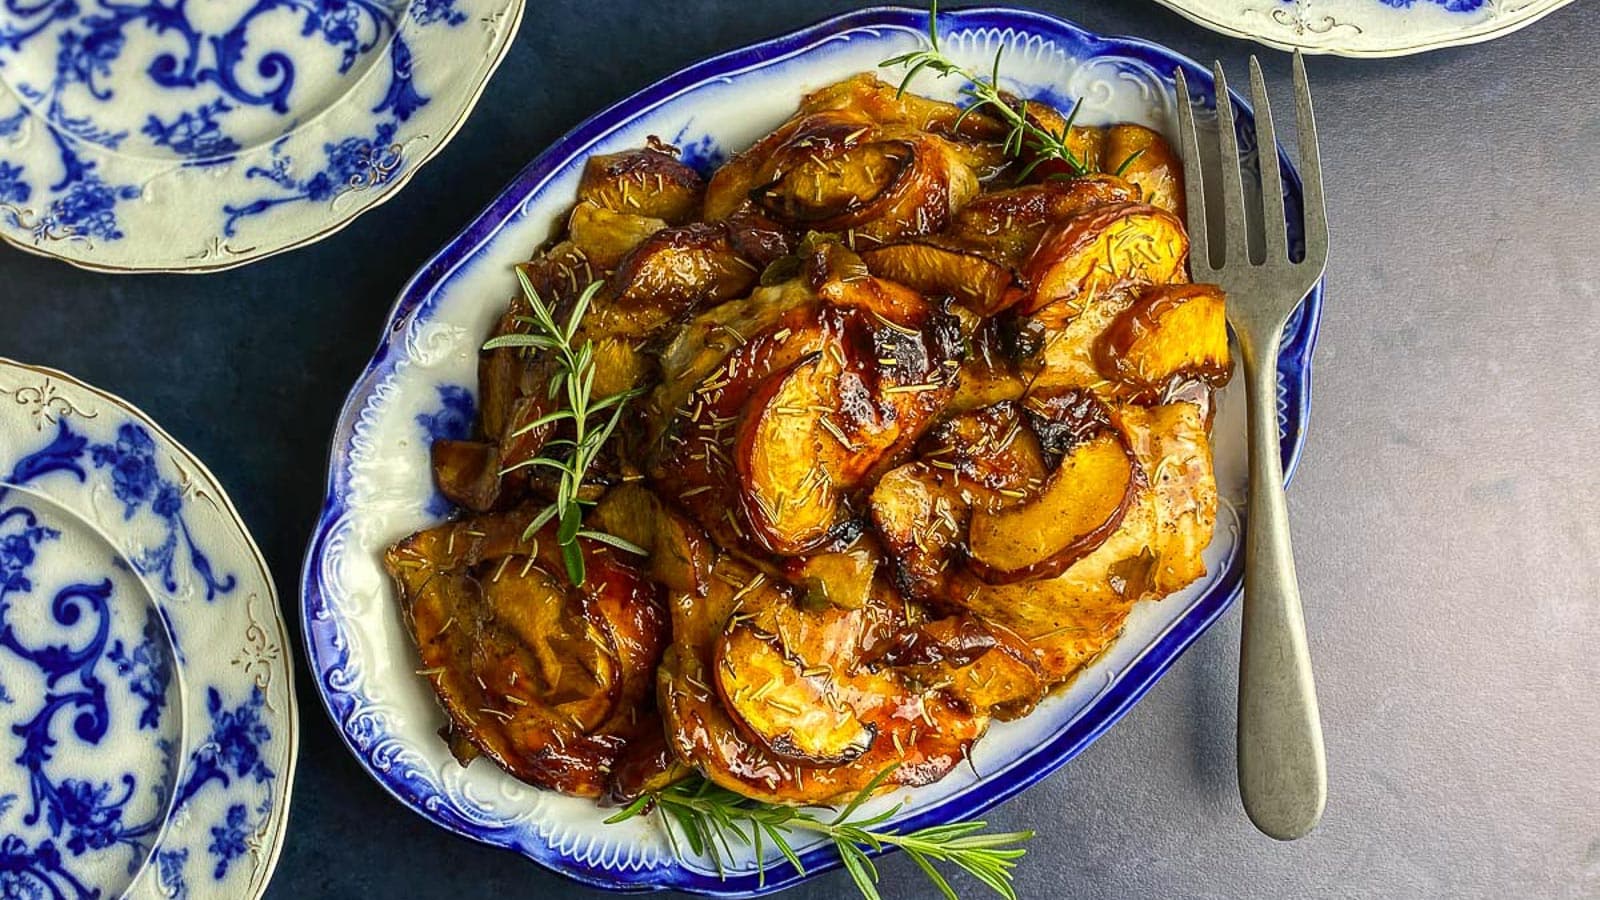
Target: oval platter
138 135
420 386
145 680
1365 27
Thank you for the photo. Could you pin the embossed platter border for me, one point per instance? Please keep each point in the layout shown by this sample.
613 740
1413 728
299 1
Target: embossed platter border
102 459
1365 28
418 387
71 189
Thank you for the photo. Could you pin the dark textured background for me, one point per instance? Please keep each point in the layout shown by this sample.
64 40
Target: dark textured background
1445 510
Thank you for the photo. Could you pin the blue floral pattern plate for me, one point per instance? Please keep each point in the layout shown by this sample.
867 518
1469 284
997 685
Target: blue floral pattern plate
142 135
148 724
420 386
1365 27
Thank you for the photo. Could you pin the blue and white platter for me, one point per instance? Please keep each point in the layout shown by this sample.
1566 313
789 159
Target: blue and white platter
148 726
420 386
1365 27
143 135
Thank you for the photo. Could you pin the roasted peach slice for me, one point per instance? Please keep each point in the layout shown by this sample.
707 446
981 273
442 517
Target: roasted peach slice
991 453
1172 445
985 458
1009 223
926 734
963 273
787 491
559 659
467 473
984 666
837 190
789 706
920 736
605 236
978 259
922 522
885 104
1080 506
524 434
761 450
558 276
649 181
1170 332
839 170
670 272
546 679
842 577
1146 159
1104 249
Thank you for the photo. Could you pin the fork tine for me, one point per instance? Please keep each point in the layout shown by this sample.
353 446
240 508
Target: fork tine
1272 214
1316 214
1236 234
1193 182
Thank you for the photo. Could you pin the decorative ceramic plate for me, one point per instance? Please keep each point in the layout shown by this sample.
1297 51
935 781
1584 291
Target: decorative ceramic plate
420 387
141 135
1365 27
147 715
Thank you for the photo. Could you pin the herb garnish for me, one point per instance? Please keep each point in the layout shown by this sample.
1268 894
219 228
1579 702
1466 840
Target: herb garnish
575 376
713 819
1043 144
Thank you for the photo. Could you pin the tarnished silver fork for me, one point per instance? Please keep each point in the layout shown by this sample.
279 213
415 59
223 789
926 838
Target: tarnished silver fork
1283 777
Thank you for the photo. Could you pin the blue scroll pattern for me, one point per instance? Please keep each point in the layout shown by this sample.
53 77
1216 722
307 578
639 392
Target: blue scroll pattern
64 819
223 68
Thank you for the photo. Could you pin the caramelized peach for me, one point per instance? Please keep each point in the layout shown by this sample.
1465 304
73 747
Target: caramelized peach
1104 249
1146 159
785 702
669 273
605 236
979 283
1081 504
787 491
838 170
467 473
544 679
1170 332
649 181
1009 223
922 735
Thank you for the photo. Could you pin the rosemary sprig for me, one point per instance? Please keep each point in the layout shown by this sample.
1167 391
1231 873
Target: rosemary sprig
591 426
1043 144
713 820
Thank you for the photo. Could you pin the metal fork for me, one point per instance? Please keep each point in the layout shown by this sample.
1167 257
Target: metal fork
1283 778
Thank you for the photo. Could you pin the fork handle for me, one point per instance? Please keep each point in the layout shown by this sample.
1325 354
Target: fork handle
1283 778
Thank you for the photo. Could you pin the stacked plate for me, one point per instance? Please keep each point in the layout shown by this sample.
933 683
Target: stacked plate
1365 27
138 135
148 726
147 713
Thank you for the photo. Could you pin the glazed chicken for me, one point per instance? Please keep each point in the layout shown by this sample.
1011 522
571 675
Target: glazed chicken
915 435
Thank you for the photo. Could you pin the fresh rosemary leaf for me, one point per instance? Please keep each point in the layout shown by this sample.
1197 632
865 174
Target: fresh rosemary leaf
1025 136
613 541
572 555
713 820
1129 161
592 420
